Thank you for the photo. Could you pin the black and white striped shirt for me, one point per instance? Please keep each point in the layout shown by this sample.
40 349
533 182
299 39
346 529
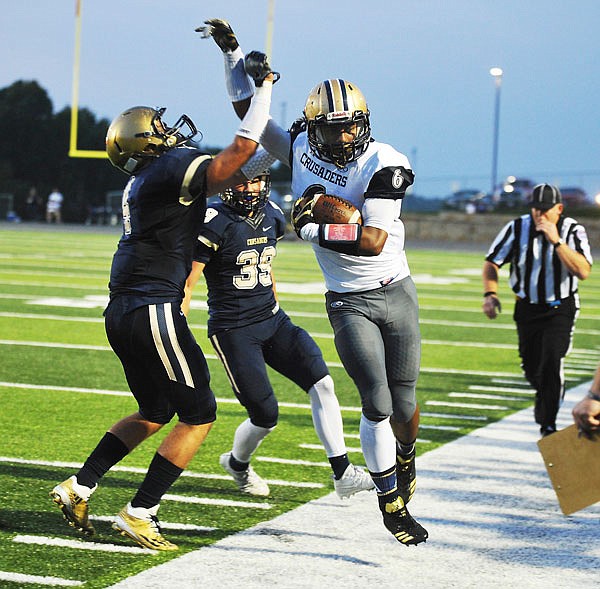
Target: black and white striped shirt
536 272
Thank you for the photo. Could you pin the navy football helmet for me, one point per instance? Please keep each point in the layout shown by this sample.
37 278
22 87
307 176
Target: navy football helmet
249 197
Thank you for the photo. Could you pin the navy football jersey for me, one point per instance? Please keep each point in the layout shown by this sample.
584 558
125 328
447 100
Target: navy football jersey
161 221
238 252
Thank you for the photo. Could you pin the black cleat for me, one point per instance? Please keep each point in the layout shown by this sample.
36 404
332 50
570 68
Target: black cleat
402 525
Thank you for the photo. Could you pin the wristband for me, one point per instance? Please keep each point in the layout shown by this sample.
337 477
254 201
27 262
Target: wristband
593 396
489 293
341 237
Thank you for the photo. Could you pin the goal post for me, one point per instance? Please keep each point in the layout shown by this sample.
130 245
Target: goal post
73 150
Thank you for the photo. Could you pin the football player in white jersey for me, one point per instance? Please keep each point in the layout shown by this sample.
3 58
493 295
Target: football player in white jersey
371 298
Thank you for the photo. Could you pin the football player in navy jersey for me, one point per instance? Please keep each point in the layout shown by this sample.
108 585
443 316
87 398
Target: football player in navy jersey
371 298
248 330
163 208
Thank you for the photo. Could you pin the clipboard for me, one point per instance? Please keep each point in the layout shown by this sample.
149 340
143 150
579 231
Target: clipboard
573 465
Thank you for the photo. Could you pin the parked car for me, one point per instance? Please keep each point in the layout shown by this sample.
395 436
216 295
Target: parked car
515 192
463 200
575 197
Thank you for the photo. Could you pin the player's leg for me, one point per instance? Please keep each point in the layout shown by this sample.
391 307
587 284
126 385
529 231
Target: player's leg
402 341
361 348
240 351
293 352
176 380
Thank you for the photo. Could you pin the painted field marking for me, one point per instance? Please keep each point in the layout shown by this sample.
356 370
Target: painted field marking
467 405
38 580
484 396
137 470
81 545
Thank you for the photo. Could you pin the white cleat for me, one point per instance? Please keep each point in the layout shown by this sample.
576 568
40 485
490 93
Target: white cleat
247 480
353 481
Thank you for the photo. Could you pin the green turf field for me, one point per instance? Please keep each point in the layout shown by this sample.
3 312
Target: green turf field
61 387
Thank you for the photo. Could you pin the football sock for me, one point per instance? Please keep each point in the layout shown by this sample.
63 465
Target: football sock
385 483
339 464
246 440
107 453
327 417
378 444
160 476
405 449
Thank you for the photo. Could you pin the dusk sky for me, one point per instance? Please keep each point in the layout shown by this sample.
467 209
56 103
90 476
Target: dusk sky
423 66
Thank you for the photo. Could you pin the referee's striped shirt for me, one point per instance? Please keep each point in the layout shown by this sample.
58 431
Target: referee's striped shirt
536 272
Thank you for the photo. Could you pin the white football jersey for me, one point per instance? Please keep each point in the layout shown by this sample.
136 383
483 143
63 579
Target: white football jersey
377 172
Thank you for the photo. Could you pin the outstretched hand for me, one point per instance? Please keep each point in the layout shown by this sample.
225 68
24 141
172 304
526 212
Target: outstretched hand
221 31
257 67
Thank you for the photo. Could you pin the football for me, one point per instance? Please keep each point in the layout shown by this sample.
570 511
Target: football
328 208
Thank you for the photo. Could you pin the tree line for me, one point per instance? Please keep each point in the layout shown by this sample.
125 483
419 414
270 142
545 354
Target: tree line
34 155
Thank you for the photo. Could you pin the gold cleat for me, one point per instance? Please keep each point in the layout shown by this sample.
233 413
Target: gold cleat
75 508
145 531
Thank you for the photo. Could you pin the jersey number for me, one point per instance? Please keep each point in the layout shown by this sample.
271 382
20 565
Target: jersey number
125 207
255 268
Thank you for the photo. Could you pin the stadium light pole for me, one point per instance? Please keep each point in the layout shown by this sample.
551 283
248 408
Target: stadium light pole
496 72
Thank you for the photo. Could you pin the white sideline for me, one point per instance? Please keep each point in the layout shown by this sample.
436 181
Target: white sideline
492 516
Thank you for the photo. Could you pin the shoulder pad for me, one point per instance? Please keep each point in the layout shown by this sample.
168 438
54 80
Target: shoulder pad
297 127
390 182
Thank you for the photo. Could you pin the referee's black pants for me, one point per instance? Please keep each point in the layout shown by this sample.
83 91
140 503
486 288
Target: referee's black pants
545 336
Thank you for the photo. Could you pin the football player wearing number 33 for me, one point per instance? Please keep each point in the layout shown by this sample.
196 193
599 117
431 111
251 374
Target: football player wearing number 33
371 299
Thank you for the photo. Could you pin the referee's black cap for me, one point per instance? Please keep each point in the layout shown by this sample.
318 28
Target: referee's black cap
545 196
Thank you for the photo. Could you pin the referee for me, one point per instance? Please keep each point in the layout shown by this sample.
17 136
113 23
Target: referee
548 255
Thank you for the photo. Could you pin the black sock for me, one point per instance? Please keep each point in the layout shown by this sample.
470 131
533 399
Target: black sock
339 464
237 465
386 486
405 449
159 478
105 455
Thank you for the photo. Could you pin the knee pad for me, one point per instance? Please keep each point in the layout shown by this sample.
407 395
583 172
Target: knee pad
264 414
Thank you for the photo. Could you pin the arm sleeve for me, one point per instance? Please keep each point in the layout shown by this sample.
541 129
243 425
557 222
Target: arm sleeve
238 83
258 163
380 213
276 141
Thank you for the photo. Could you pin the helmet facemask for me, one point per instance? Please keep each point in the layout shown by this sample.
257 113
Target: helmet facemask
247 199
173 136
139 134
325 138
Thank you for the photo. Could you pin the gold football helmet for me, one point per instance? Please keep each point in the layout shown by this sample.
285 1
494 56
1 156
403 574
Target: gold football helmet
337 120
139 133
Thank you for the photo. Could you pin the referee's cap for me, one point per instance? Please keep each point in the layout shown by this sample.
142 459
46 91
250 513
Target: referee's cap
545 196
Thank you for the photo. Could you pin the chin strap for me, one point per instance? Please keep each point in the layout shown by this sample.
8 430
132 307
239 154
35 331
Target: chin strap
341 237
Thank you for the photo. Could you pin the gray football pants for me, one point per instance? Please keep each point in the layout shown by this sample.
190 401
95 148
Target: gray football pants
378 341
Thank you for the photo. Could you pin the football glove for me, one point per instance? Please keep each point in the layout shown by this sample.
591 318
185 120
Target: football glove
302 213
221 32
257 67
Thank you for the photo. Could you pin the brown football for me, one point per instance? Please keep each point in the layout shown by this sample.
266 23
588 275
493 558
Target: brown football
328 208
